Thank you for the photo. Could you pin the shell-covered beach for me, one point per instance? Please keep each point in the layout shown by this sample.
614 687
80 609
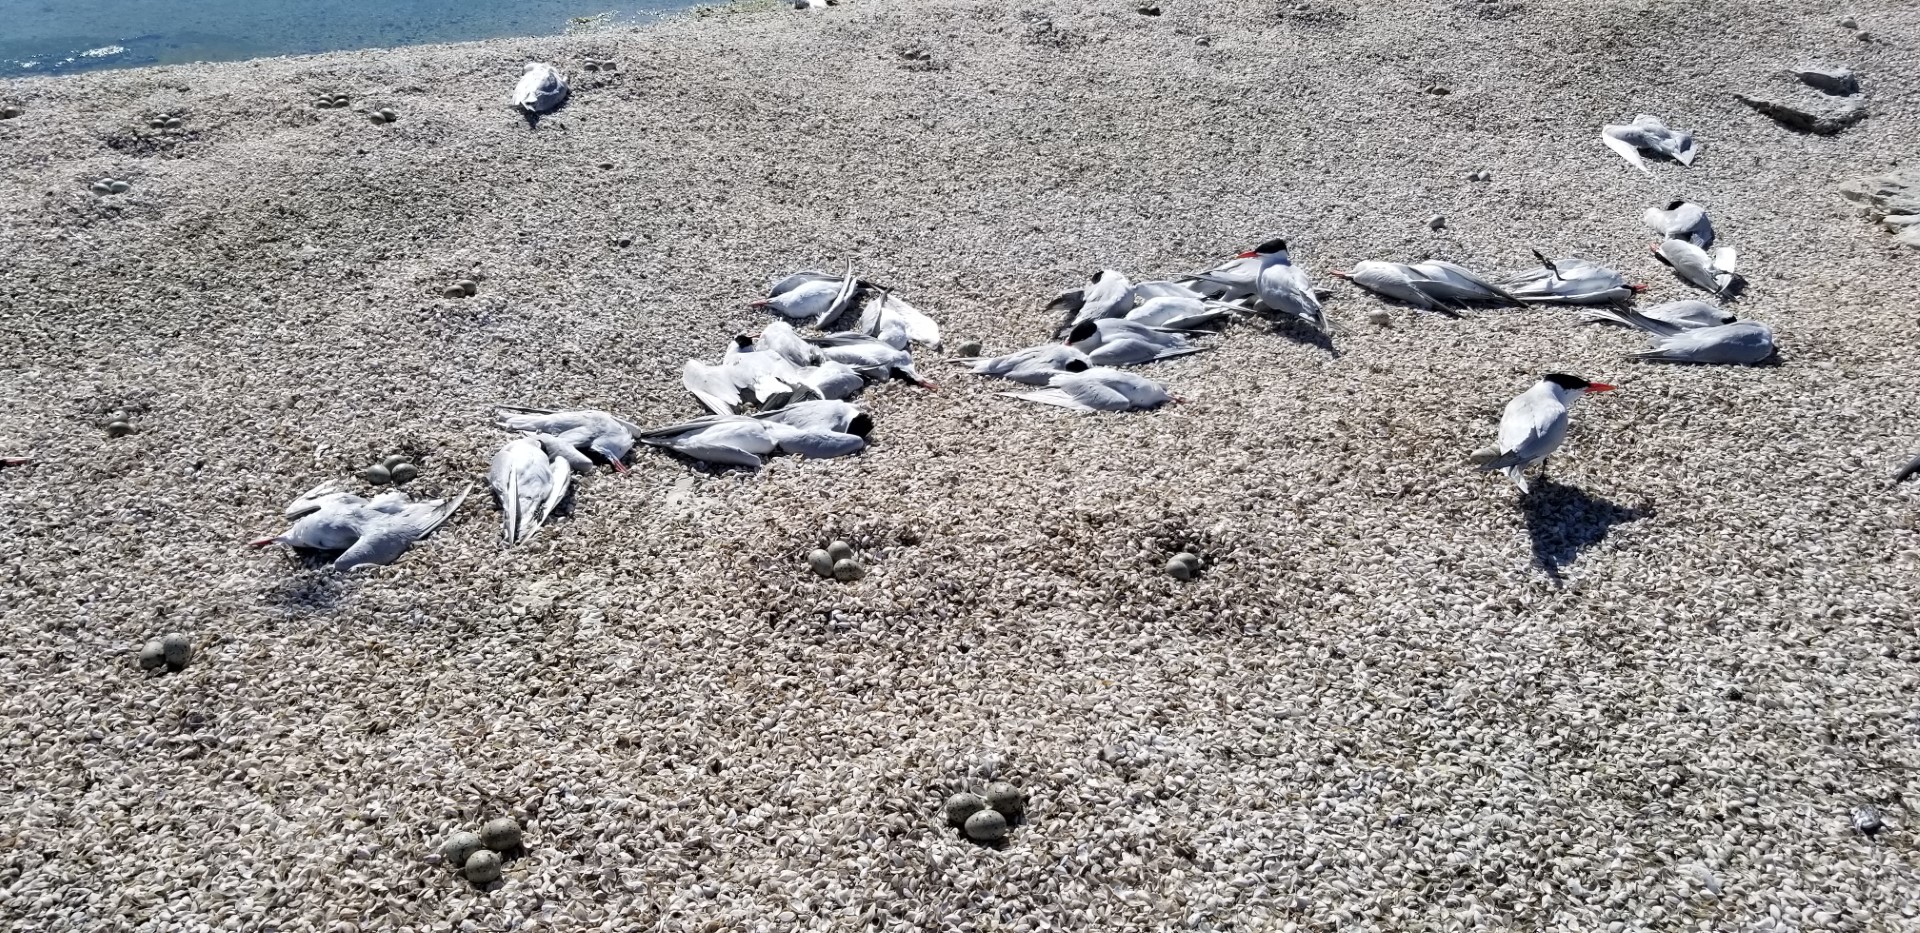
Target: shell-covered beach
1655 694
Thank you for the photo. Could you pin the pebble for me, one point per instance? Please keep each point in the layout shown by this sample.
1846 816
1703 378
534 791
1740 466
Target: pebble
483 867
403 473
970 348
9 112
501 835
152 654
388 115
1380 317
459 847
1006 799
1863 36
847 571
1484 455
453 291
1436 221
1867 820
119 429
1438 90
467 287
987 826
839 551
963 805
821 562
176 650
120 187
377 475
1849 23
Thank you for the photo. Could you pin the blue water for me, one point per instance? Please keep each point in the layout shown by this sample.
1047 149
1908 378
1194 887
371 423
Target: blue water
39 37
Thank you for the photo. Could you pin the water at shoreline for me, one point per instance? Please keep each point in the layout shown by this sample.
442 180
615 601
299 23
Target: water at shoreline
49 37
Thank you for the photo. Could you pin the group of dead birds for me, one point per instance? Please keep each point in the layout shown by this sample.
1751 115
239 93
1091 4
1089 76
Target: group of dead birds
780 391
1113 322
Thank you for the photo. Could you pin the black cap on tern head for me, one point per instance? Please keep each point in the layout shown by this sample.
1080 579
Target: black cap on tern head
1565 381
1077 366
743 341
1081 331
1275 245
861 425
1676 203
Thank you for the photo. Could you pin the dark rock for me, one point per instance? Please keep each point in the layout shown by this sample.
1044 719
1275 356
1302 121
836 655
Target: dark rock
1818 117
1840 81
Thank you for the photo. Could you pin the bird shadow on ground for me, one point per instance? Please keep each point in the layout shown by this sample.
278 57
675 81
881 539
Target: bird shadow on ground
1563 521
315 589
1299 332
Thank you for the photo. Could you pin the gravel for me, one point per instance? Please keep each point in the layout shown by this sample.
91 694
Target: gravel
1401 697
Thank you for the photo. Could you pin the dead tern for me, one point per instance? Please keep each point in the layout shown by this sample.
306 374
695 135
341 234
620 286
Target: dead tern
1099 389
814 296
1681 220
1695 267
1535 423
1108 294
1233 280
529 485
896 323
1570 281
366 532
1120 342
1652 134
1743 343
869 356
586 430
1672 317
1911 469
541 88
1034 366
1179 312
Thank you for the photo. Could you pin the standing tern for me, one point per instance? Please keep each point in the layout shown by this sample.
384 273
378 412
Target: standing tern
1649 133
541 88
529 485
1283 288
1694 267
1099 389
1535 423
366 532
589 430
1681 220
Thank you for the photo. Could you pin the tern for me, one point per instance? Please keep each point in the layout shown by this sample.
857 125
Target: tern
1570 281
1681 220
541 88
1108 294
529 485
1536 422
1034 366
1649 133
1120 342
366 531
1695 267
587 430
1099 389
1283 288
1672 317
1743 343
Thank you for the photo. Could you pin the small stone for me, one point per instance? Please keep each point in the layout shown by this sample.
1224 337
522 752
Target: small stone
501 835
987 826
1837 81
468 287
847 571
173 123
970 348
376 117
606 166
1484 455
1436 221
1153 10
1438 90
118 414
156 123
1379 317
377 475
624 242
393 460
100 188
453 291
323 103
1867 820
483 867
1179 569
1863 36
388 115
1006 799
591 65
459 847
609 65
962 806
1808 116
821 562
120 187
839 551
341 100
403 473
119 429
1849 23
9 112
176 650
152 654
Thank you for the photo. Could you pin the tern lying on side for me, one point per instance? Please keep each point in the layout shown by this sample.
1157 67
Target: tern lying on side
1120 342
813 295
1649 133
1434 285
1570 281
1695 267
541 88
1681 220
1034 366
1743 343
1108 294
529 484
1099 389
1672 317
367 531
819 429
586 430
